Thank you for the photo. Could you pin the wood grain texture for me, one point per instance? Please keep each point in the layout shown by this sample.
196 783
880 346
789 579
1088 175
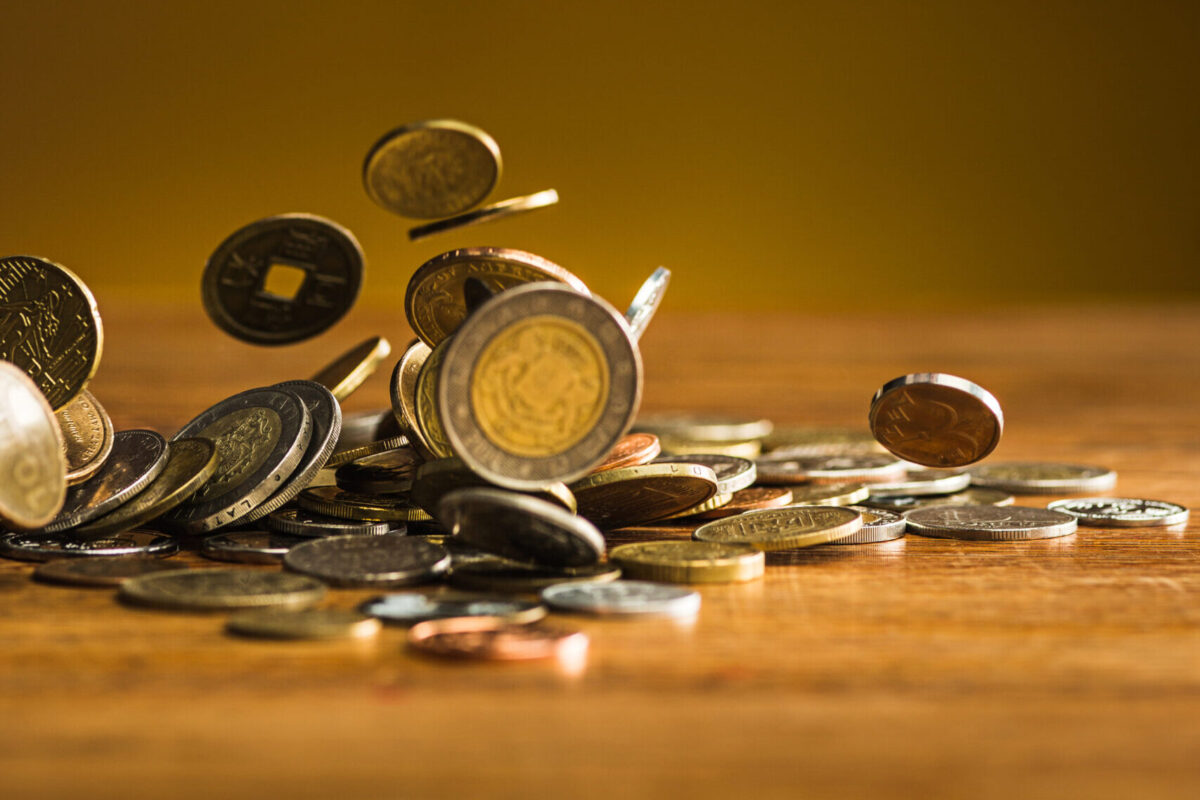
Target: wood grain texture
915 668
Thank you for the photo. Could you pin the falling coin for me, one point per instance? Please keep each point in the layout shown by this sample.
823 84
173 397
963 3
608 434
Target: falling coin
491 212
33 466
349 370
936 420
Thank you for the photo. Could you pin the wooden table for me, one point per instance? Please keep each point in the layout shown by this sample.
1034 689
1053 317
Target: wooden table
917 668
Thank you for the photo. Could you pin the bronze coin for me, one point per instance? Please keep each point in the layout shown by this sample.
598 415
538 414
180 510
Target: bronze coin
751 499
87 436
633 450
495 639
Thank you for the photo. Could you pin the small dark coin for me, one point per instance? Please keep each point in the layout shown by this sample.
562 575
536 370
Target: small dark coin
47 546
501 575
1122 512
382 473
878 526
102 571
249 547
367 561
310 524
968 497
492 211
990 523
409 608
305 623
733 473
348 371
223 589
137 458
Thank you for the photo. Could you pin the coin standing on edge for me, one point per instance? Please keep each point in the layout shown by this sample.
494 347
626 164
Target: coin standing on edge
1033 477
990 523
783 528
87 436
1122 512
137 458
623 598
647 300
689 562
936 420
33 466
489 213
222 590
305 623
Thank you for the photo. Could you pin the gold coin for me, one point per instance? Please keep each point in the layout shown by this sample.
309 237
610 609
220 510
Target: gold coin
404 393
363 450
222 589
87 436
783 528
688 562
435 479
49 326
432 169
429 421
936 420
33 467
753 499
711 504
635 495
309 623
349 370
493 211
334 502
829 494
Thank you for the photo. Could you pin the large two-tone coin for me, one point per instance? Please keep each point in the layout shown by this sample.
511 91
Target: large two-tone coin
990 523
936 420
137 458
87 436
1122 512
1031 477
783 528
33 466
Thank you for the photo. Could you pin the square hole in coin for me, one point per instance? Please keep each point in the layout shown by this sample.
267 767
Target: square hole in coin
283 281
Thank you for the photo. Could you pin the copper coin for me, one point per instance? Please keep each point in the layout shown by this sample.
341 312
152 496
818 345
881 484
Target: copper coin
633 450
494 639
751 499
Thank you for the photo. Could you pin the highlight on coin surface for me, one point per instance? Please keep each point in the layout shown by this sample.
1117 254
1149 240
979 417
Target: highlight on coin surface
936 420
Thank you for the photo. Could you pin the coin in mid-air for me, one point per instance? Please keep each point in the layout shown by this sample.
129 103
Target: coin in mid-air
878 526
49 326
102 571
304 623
282 279
48 546
87 436
223 590
33 466
367 561
783 528
1122 512
137 458
647 300
409 608
623 598
689 562
1032 477
970 496
635 495
492 211
495 639
347 372
936 420
990 523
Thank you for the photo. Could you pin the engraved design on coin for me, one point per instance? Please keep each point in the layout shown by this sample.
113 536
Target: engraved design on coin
244 440
936 420
138 457
990 523
1122 512
87 436
33 468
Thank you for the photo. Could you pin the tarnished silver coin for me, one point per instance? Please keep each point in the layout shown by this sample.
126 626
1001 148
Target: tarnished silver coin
261 436
971 496
693 427
33 466
733 473
936 420
304 623
367 561
1031 477
249 547
919 483
311 525
861 468
361 428
647 300
223 590
520 527
102 571
1122 512
409 608
623 598
48 546
137 457
491 212
989 523
878 526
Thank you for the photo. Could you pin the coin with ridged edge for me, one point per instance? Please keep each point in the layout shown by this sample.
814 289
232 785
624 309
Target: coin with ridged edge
368 561
249 547
48 546
102 571
878 526
936 420
348 371
635 495
733 474
409 608
489 213
403 390
305 623
223 590
87 436
335 502
1122 512
33 466
622 599
783 528
689 562
1033 477
311 525
137 458
990 523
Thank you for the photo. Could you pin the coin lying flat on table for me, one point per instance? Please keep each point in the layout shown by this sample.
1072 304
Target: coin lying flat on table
793 440
634 449
647 300
249 547
1122 512
334 502
623 598
865 468
348 371
223 589
137 458
435 479
495 639
688 562
878 526
310 524
633 495
403 390
409 608
783 528
703 427
936 420
389 472
306 623
501 575
919 483
87 436
493 211
102 571
733 474
1028 477
33 467
47 546
968 497
755 498
989 523
368 561
829 494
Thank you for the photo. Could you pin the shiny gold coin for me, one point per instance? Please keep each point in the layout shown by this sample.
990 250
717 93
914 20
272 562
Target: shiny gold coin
33 466
755 498
711 504
435 479
491 212
334 502
349 370
87 436
936 420
829 494
429 420
309 623
404 393
686 447
222 589
783 528
49 326
363 450
688 562
635 495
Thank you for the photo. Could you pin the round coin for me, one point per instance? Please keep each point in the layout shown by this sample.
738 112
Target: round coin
500 575
33 467
1122 512
403 390
967 497
346 455
137 457
222 590
684 447
435 479
733 474
634 495
249 547
409 608
689 562
647 300
309 524
432 433
87 436
348 371
918 483
989 523
783 528
936 420
367 561
866 468
794 441
101 571
1024 477
495 639
389 472
493 211
623 598
694 427
334 502
753 499
634 449
829 494
47 546
878 526
306 623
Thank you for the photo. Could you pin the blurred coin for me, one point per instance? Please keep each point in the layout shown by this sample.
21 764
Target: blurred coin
87 436
622 598
936 420
501 575
752 499
783 528
703 427
101 571
434 302
222 590
829 494
367 561
1026 477
47 546
347 372
301 522
341 457
1122 512
282 279
968 497
989 523
646 302
878 526
409 608
495 639
493 211
429 420
435 479
361 428
49 326
307 623
795 441
334 502
388 472
733 474
33 467
404 392
866 468
689 562
249 547
632 450
711 504
634 495
671 446
137 457
917 483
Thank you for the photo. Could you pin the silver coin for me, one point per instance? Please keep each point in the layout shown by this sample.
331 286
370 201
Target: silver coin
520 527
1122 512
389 472
692 427
919 483
409 608
733 473
1032 477
877 526
137 458
261 436
646 301
492 211
249 547
989 523
623 598
971 496
311 525
367 561
47 546
858 468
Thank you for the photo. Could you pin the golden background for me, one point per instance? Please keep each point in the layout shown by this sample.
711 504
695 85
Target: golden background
776 155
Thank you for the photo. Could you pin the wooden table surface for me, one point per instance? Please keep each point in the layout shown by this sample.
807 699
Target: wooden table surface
916 668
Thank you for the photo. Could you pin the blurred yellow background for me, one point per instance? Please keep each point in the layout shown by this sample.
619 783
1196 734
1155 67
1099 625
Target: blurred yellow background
783 155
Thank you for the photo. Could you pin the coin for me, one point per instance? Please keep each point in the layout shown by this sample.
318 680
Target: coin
249 547
493 211
429 421
222 590
829 494
334 502
750 448
49 326
689 562
388 472
137 457
301 522
403 388
367 561
431 169
307 623
520 527
634 449
989 523
647 300
794 441
622 598
347 372
87 436
1025 477
434 301
733 474
261 436
282 279
967 497
918 483
345 456
633 495
101 571
878 526
696 427
47 546
711 504
936 420
436 478
752 499
783 528
33 467
495 639
408 608
190 462
361 428
1122 512
501 575
866 468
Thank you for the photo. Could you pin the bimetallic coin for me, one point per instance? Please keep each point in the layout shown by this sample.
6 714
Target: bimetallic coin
783 528
348 371
102 571
435 303
334 502
634 495
689 562
495 639
33 467
282 279
753 499
829 494
646 301
493 211
47 546
403 390
222 590
389 472
622 598
733 474
308 623
311 525
437 478
1122 512
967 497
367 561
1023 477
137 457
409 608
867 468
500 575
87 436
49 326
429 419
878 526
633 450
989 523
693 427
918 483
936 420
794 441
249 547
